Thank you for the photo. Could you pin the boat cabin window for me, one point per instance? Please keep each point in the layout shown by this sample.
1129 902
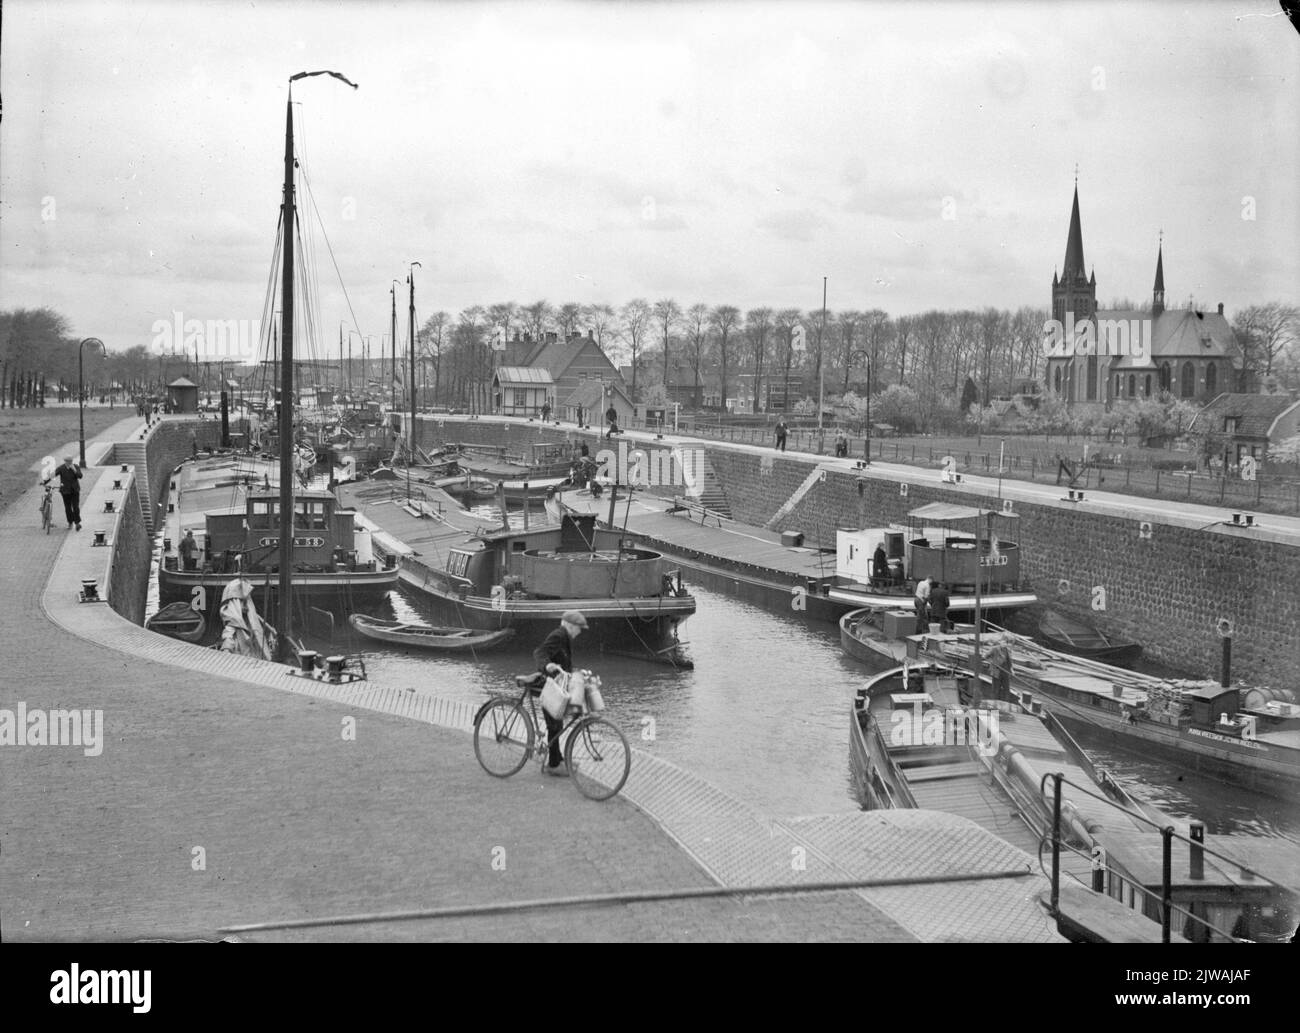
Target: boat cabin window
264 514
518 546
310 513
457 563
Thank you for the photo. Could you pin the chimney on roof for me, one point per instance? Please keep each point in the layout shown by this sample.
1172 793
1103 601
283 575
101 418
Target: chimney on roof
591 334
1220 308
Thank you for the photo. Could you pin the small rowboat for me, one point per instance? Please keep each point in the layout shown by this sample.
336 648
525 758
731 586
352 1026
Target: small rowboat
1072 636
179 621
423 636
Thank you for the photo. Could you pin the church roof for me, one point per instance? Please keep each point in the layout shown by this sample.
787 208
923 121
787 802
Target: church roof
1073 267
1160 270
1177 334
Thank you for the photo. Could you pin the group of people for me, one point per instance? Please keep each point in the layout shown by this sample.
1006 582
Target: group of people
931 601
841 440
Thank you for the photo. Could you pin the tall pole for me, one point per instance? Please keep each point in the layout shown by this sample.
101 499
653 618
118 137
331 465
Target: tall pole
410 379
821 369
392 337
81 394
286 391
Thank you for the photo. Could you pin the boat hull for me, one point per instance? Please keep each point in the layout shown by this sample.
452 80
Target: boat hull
1255 765
443 639
328 589
179 620
645 626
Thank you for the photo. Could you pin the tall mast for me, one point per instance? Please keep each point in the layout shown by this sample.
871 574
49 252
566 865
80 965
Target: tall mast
410 437
392 336
286 390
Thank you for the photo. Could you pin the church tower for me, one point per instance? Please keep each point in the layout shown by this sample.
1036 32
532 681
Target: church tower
1075 291
1158 293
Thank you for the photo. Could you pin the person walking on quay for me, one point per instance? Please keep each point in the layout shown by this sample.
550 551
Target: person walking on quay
922 601
780 435
555 654
188 548
68 476
939 607
841 446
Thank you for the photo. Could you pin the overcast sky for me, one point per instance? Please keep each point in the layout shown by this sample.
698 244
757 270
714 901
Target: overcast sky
919 155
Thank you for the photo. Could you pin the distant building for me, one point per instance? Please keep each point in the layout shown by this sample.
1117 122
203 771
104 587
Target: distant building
1107 356
183 395
1242 425
588 404
572 363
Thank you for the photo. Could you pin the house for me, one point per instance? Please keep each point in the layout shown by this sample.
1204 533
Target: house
1101 356
586 405
1242 425
522 390
573 362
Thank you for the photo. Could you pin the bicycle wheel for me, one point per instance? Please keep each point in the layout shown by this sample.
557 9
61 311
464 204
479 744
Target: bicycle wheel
47 517
503 738
598 758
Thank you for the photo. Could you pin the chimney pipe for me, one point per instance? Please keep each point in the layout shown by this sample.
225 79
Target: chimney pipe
1220 308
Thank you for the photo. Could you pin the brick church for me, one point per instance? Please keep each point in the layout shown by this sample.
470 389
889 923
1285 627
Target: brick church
1134 353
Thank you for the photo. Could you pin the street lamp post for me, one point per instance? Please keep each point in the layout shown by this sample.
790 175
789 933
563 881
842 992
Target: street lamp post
81 392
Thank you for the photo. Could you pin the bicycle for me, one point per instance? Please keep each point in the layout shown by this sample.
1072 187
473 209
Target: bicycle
506 734
47 510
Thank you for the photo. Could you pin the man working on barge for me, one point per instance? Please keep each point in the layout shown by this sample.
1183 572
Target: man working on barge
555 654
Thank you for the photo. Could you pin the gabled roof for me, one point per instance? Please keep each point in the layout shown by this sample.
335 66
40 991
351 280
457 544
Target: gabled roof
182 382
588 395
1255 414
1176 334
558 356
513 375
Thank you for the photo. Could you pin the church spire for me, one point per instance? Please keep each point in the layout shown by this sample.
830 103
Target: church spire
1158 293
1074 245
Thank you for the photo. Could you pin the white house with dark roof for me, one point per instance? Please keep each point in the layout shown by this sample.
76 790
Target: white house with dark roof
522 390
1116 355
1242 425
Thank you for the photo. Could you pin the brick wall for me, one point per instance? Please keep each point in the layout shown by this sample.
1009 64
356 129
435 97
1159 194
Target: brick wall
132 557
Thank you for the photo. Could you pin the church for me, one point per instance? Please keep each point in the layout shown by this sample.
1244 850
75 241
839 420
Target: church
1097 357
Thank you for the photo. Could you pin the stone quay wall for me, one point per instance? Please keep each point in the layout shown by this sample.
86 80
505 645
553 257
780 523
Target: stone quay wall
1164 585
132 555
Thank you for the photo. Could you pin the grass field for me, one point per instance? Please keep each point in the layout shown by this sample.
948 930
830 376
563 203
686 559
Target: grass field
28 435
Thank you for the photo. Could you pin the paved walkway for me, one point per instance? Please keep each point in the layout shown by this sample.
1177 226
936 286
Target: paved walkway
230 794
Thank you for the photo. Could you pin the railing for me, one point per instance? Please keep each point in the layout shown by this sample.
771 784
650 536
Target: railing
1168 835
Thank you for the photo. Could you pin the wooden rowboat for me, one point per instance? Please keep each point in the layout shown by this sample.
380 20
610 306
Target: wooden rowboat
179 621
1071 636
423 636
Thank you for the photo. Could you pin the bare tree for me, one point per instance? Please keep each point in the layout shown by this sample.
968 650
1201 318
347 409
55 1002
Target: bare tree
635 316
784 323
432 336
1266 332
845 333
993 332
724 320
697 317
504 315
904 329
537 317
758 326
667 314
601 320
567 318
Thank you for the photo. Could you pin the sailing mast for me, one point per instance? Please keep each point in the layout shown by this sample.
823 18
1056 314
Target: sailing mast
410 436
287 451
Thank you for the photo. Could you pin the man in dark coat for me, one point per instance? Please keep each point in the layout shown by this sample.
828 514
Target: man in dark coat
780 435
70 489
880 565
939 606
555 654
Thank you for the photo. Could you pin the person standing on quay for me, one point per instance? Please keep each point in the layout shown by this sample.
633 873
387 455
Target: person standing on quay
780 435
68 476
922 601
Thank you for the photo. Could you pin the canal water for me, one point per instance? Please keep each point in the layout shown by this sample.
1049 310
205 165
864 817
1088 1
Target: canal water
764 714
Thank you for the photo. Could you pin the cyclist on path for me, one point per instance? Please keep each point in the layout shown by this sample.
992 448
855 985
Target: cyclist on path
555 654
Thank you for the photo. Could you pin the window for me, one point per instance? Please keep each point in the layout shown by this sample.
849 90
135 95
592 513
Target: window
1211 378
1230 424
310 514
1147 389
1092 378
1132 383
1058 380
265 515
1188 389
1166 377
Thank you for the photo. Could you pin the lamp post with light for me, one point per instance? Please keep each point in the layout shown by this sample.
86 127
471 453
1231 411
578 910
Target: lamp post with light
81 391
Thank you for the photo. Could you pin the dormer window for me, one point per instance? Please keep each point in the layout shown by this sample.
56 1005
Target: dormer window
1230 424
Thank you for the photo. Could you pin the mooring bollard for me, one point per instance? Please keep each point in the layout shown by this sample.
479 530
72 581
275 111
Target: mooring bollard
100 538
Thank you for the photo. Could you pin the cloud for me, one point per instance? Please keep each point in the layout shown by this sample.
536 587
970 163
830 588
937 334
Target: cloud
793 224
